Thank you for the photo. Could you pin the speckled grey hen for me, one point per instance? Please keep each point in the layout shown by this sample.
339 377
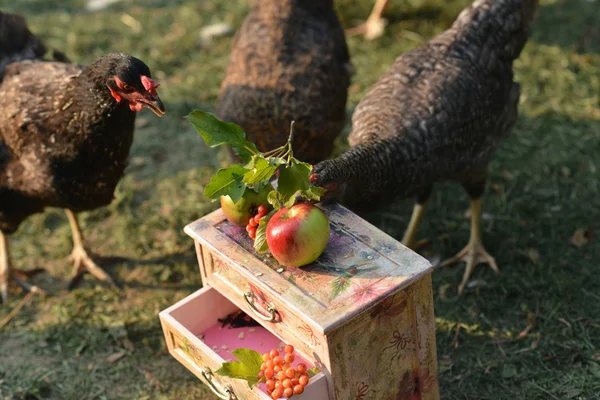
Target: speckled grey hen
437 114
289 62
65 134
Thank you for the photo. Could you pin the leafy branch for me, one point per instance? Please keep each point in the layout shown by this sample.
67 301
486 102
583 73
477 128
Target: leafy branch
258 169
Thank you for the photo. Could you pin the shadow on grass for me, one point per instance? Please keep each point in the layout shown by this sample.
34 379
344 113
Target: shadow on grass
100 357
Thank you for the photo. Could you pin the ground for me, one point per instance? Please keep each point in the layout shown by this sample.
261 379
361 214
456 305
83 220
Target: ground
544 183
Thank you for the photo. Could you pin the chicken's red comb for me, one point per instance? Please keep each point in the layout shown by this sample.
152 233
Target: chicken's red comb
148 83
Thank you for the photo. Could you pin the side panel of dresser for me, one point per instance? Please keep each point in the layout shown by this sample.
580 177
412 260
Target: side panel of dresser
389 351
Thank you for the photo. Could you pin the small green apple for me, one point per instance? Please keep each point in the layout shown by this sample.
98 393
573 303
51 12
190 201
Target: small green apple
239 213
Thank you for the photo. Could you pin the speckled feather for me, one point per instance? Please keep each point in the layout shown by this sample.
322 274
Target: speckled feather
64 140
289 62
438 113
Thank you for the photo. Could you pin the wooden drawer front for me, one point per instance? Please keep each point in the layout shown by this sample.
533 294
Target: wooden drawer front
185 325
288 325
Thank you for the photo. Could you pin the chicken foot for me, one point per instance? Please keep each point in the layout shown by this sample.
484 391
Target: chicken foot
7 273
375 24
81 260
474 253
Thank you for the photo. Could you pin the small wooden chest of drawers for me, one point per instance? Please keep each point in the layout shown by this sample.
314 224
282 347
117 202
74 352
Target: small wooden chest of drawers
362 313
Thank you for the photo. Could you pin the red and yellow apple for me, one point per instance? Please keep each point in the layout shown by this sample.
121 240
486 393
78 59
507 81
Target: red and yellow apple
297 236
239 213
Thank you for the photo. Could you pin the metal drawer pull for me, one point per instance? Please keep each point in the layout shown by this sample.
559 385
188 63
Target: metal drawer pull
225 393
249 297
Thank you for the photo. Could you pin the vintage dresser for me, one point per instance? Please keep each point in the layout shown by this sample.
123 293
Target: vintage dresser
362 313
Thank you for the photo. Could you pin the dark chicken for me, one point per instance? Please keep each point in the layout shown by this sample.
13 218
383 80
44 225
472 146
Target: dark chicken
65 134
437 114
289 62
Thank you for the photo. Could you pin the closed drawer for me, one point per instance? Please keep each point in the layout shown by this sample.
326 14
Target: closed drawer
195 338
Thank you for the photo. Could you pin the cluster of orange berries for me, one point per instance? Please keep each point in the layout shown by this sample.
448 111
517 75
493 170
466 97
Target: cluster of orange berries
281 378
254 221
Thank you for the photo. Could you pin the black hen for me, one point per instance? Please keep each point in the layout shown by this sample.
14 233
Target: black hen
437 114
65 134
289 62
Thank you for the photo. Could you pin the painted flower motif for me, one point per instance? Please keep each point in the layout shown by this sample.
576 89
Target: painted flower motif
386 247
259 296
191 351
303 327
420 384
363 293
424 381
220 264
339 210
368 255
294 273
390 308
365 239
406 387
340 245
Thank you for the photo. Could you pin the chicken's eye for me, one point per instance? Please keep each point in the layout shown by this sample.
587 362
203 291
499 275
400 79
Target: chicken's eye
126 87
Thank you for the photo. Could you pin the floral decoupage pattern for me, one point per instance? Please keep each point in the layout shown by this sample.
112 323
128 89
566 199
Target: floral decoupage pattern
348 272
364 307
403 366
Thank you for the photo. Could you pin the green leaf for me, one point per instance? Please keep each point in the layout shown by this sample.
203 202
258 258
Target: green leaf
249 357
313 193
260 242
216 132
292 179
276 161
313 371
261 171
273 199
290 202
247 368
227 182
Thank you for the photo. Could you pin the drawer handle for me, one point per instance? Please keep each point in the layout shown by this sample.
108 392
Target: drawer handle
249 297
225 393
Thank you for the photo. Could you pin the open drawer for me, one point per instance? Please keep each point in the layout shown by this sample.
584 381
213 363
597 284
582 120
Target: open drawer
195 338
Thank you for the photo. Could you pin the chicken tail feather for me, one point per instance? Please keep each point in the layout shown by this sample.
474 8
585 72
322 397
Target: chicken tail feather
499 29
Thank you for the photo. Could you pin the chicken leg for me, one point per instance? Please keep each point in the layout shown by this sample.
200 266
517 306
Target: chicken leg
409 235
81 260
418 210
375 24
7 273
474 253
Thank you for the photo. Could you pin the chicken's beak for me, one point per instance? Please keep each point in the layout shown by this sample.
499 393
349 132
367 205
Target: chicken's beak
156 105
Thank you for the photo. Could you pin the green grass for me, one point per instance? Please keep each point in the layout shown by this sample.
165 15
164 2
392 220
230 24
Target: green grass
545 178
